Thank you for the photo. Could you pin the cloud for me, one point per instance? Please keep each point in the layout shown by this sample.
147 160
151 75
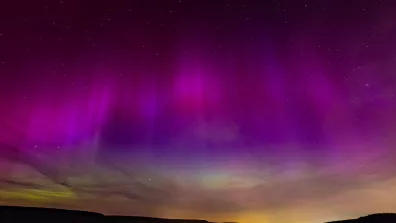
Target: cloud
17 155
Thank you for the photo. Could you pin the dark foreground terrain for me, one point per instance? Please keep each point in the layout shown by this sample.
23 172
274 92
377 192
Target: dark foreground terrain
374 218
48 215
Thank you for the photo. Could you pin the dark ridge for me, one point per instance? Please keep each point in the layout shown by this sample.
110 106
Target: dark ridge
51 215
373 218
44 215
126 219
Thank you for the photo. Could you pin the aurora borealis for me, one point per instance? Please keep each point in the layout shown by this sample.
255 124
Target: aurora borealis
279 111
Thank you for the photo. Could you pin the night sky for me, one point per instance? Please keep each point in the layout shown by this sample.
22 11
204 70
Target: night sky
248 111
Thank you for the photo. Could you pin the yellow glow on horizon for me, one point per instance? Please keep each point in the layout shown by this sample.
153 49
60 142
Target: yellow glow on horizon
36 194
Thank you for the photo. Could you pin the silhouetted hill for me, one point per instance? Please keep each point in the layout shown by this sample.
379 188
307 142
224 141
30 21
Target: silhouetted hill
374 218
44 215
132 219
127 219
49 215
